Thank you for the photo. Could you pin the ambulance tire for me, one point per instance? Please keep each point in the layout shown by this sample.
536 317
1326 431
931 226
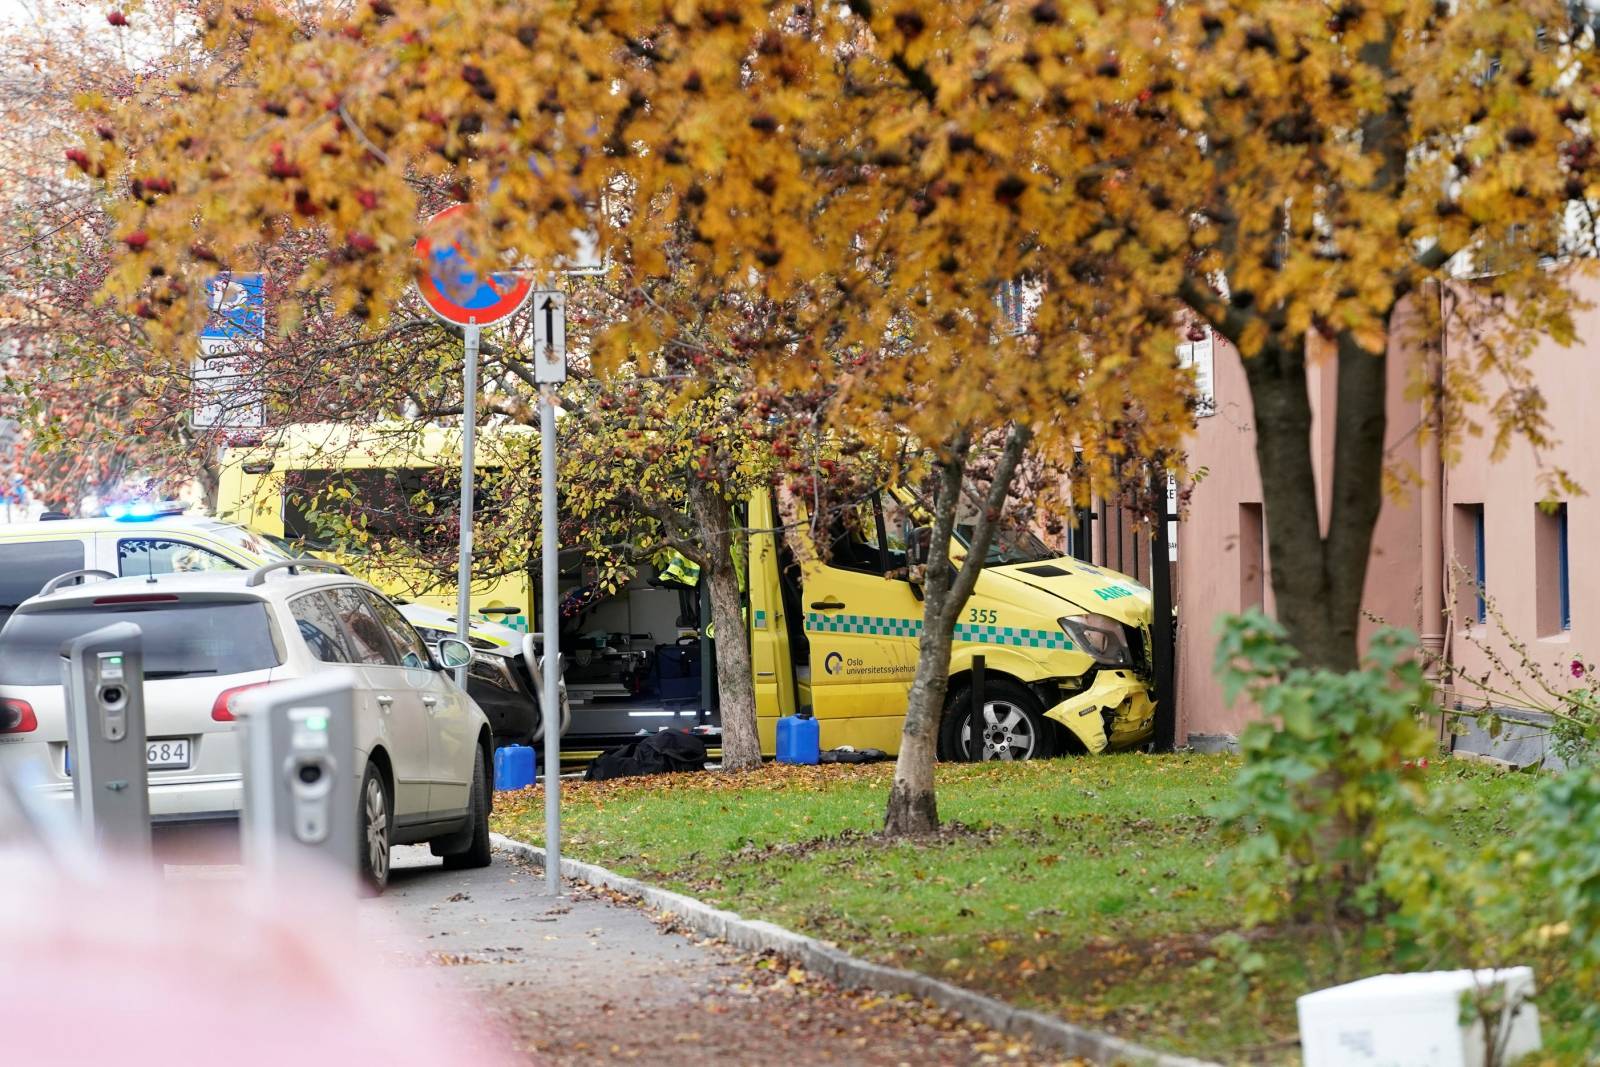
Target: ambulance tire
1013 721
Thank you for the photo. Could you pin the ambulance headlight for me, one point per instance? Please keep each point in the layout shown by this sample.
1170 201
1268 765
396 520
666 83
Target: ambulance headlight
1101 637
495 670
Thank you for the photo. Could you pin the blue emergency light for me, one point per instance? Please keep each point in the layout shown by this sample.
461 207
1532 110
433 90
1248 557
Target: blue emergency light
143 510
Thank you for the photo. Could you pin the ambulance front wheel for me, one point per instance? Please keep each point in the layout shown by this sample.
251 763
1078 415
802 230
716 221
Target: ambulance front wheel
1010 726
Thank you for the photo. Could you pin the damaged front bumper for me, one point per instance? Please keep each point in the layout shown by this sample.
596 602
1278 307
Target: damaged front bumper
1114 712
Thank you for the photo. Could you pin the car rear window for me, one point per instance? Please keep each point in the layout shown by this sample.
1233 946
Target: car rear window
26 565
180 640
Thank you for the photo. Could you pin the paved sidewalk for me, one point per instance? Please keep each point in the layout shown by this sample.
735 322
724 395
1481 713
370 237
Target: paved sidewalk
587 979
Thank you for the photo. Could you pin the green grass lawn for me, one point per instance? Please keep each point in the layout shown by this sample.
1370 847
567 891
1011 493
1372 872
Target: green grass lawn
1090 888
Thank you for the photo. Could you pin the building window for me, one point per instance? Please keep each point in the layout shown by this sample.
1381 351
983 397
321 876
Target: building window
1564 571
1471 573
1552 593
1252 558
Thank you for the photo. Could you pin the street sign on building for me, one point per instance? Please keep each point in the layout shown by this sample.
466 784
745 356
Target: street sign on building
225 394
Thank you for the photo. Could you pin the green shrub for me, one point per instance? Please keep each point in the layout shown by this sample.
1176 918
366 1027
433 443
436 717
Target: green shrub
1328 779
1331 822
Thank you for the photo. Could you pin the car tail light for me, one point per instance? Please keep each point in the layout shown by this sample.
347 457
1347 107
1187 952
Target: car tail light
137 598
222 707
17 717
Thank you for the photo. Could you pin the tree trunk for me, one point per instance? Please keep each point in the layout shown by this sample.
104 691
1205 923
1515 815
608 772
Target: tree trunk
1317 581
741 746
913 808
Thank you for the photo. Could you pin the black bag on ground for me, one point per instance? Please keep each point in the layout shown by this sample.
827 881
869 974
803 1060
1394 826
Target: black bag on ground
666 752
860 755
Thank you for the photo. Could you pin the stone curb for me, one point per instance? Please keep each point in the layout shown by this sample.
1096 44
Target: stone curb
756 935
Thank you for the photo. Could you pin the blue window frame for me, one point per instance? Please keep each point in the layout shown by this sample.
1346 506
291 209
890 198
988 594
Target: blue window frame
1479 569
1562 568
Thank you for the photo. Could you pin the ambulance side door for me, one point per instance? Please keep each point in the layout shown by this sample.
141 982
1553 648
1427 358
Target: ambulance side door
863 625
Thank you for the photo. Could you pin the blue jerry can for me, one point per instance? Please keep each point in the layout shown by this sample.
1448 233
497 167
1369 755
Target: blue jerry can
799 739
514 767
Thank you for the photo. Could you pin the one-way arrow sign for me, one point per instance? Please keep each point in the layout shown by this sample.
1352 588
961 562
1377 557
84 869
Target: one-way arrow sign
549 336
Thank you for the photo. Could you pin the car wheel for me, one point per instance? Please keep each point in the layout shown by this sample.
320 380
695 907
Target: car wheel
376 812
1011 725
477 852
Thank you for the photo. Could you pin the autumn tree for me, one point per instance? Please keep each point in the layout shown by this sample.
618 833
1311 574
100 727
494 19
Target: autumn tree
83 427
1323 169
878 173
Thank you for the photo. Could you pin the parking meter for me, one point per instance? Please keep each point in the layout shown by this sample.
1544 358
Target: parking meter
102 676
299 759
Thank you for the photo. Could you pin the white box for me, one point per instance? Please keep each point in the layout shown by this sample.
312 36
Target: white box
1412 1020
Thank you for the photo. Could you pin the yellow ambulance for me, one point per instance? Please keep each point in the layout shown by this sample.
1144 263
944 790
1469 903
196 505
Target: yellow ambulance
1065 645
400 474
833 620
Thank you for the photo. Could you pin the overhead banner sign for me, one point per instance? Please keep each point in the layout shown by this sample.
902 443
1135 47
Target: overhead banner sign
235 330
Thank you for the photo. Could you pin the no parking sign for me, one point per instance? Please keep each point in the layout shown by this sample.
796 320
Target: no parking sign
449 284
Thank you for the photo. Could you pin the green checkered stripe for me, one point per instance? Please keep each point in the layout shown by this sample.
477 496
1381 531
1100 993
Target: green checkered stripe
1010 635
817 622
971 633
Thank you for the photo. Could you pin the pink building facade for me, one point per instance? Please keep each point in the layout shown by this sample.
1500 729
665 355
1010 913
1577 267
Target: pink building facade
1442 528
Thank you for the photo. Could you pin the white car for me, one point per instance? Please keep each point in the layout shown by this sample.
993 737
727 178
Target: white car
424 747
158 539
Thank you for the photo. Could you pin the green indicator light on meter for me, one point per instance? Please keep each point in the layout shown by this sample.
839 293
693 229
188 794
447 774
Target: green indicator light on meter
317 723
115 661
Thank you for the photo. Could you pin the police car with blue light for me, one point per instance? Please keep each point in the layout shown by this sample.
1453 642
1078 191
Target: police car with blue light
149 539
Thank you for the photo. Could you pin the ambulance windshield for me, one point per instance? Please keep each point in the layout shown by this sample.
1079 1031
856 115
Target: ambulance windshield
1009 545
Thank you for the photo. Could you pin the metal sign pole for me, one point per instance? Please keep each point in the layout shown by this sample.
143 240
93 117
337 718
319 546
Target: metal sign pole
550 370
552 641
469 435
